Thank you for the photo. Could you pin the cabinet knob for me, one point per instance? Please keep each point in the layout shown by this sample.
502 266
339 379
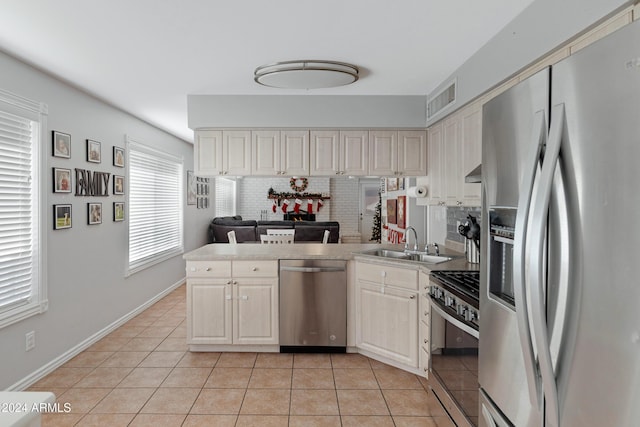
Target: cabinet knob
337 172
412 297
234 282
426 313
207 269
426 340
228 282
425 369
254 269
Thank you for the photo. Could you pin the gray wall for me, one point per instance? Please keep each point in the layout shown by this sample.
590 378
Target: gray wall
538 30
322 111
85 267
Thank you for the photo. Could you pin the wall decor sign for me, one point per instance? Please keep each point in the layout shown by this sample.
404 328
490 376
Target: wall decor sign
61 144
391 211
94 211
61 217
61 180
402 211
392 184
202 193
191 188
118 184
89 183
118 157
94 154
118 211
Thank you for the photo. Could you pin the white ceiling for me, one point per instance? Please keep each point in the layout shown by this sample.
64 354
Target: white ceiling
146 56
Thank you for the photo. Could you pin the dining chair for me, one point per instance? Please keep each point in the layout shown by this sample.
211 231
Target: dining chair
232 237
273 239
281 231
325 238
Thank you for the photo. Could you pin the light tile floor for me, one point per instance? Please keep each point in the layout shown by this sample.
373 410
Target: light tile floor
143 375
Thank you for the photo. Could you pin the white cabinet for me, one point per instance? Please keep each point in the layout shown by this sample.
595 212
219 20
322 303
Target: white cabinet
232 302
221 152
398 153
387 313
424 338
336 152
276 152
455 149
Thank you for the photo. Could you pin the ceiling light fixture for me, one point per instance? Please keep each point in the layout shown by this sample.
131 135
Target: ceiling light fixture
306 74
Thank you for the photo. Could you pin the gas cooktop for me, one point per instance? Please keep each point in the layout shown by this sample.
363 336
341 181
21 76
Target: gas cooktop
466 282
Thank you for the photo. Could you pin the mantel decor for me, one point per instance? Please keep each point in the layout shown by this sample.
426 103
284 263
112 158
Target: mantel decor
293 183
304 195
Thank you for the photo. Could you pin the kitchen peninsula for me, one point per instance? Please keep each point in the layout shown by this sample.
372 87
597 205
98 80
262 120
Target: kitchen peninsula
233 305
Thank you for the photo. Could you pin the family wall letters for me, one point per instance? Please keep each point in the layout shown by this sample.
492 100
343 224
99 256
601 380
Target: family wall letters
89 183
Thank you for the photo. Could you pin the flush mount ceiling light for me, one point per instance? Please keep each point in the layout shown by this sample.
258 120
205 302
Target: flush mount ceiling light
306 74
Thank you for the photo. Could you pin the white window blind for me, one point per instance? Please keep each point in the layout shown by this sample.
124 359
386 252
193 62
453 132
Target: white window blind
225 197
21 291
155 206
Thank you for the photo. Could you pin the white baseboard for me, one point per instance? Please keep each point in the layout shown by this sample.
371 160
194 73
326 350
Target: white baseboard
45 370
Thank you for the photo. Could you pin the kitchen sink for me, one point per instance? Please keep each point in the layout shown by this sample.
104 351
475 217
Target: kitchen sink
409 256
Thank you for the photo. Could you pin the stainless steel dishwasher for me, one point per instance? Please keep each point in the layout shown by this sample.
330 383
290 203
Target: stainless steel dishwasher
313 305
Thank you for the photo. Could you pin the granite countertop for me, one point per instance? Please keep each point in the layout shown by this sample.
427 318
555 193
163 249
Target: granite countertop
342 251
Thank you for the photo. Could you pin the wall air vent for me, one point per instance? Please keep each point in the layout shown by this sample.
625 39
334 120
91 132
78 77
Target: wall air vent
441 100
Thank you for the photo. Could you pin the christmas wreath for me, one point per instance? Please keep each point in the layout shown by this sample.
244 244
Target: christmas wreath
293 183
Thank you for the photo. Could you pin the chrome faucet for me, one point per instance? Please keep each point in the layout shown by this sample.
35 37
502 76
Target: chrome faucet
415 239
435 247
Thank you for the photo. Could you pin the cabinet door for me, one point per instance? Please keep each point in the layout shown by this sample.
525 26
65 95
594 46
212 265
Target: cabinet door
354 152
207 152
435 192
325 149
237 152
265 146
412 153
388 322
383 150
470 153
209 307
255 308
294 157
451 143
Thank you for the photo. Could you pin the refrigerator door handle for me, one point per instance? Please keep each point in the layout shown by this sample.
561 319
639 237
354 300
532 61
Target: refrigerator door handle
535 263
538 140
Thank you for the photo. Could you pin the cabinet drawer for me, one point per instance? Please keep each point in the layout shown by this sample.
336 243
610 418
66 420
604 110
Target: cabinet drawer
391 276
258 268
208 268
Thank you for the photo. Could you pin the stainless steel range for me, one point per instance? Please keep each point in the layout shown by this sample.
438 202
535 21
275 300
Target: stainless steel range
454 342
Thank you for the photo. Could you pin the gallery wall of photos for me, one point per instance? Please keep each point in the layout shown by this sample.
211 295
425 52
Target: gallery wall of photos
86 182
198 191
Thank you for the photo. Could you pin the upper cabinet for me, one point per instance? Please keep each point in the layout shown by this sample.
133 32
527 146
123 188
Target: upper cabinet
335 152
222 152
398 153
455 149
276 152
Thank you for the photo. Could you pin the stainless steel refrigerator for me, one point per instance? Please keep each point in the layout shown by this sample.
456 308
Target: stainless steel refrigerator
560 288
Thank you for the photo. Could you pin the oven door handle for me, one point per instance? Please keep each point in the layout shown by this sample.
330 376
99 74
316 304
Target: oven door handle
457 323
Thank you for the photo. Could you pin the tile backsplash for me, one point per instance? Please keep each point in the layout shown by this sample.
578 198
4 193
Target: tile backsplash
457 215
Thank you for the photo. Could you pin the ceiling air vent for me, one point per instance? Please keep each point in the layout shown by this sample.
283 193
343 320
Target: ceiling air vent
441 100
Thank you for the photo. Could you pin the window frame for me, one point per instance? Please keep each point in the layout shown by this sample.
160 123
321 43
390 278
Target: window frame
37 112
233 198
171 252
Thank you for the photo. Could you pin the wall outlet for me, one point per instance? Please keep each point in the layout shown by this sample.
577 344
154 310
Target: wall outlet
30 340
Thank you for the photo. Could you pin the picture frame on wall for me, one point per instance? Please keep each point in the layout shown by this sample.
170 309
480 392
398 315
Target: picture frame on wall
118 185
61 144
400 183
118 211
191 188
61 216
402 212
61 180
392 184
94 211
118 157
391 211
94 154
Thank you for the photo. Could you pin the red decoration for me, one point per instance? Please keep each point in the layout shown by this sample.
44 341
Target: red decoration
309 206
274 206
285 205
296 205
320 204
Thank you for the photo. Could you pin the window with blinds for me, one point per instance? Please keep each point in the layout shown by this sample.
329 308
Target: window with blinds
225 197
22 287
155 206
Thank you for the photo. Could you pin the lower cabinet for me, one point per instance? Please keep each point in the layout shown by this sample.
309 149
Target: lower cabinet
424 327
233 310
387 321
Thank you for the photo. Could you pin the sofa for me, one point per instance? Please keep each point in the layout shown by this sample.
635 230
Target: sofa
249 231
